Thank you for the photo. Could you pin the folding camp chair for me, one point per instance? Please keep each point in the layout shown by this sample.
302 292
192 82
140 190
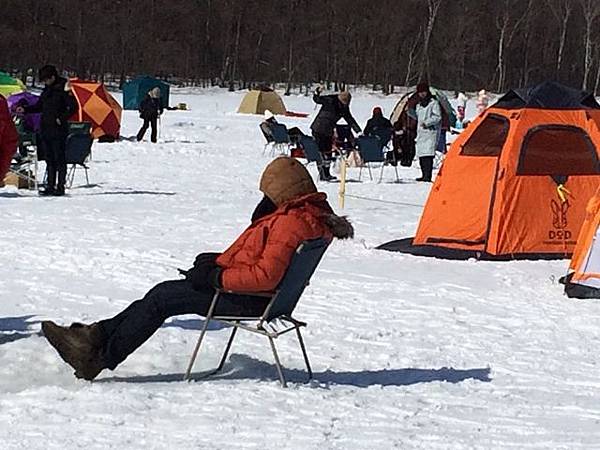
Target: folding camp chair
277 317
26 167
371 151
78 148
279 140
311 150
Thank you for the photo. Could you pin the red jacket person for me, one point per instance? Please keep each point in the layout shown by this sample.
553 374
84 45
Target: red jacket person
292 211
9 139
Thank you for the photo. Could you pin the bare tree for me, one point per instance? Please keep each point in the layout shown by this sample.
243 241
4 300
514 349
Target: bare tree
507 23
591 11
433 7
561 10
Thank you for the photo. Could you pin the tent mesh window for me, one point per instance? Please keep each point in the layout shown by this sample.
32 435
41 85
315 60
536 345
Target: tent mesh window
558 150
489 137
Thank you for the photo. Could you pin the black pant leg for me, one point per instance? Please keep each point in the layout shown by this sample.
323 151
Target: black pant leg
51 163
61 161
324 142
154 129
426 163
143 130
128 330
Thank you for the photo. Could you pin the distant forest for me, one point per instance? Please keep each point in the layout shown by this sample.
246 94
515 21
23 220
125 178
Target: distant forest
454 44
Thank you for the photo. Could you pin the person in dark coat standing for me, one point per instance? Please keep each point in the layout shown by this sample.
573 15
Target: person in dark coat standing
150 109
333 108
56 104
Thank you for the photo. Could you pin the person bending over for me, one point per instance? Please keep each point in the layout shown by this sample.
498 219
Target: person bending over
333 108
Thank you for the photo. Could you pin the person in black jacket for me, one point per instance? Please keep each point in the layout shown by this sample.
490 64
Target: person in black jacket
379 126
56 104
333 108
150 109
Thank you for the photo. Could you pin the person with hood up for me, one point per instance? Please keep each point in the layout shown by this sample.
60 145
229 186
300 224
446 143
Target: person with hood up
429 118
57 104
379 126
9 139
333 108
290 212
150 109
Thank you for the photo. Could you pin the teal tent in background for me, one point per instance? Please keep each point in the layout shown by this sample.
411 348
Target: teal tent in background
135 90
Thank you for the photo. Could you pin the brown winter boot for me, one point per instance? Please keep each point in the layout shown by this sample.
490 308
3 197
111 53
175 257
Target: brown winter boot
78 346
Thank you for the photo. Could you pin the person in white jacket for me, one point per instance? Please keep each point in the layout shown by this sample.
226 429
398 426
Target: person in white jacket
429 118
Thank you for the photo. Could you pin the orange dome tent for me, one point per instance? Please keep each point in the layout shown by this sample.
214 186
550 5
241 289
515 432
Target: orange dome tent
98 107
584 279
516 183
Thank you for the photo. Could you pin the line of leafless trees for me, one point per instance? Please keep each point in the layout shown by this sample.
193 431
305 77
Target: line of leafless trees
455 44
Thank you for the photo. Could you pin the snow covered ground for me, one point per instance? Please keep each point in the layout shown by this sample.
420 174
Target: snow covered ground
408 352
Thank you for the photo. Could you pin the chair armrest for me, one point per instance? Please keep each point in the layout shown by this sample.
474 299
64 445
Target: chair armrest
253 294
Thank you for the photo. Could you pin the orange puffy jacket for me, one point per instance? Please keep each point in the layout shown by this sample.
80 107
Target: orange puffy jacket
258 259
9 138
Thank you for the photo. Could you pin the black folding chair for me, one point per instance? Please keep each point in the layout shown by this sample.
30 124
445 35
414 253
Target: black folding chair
311 150
277 317
78 148
278 138
371 151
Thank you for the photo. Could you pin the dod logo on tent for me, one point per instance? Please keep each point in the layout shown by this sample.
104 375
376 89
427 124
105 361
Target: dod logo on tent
516 183
98 107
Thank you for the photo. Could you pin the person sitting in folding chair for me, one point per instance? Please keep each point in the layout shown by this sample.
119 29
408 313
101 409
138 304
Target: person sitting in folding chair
291 212
380 127
266 126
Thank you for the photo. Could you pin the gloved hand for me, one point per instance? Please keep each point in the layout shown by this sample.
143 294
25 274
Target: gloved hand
205 273
206 257
199 275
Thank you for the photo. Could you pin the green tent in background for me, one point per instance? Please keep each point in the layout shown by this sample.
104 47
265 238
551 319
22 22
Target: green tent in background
10 85
135 90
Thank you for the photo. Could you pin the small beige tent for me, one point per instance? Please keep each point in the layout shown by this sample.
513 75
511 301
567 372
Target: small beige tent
255 102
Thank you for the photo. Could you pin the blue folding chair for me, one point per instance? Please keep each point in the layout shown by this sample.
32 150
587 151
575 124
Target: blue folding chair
278 138
311 150
371 151
77 149
278 311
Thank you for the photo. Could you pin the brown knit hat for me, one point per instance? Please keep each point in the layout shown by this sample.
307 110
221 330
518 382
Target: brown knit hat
284 179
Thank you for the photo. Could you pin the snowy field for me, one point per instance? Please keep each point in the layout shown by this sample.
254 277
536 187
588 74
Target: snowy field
408 352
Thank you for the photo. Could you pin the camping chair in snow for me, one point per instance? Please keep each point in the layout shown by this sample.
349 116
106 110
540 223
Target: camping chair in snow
371 151
277 138
311 150
26 166
277 317
78 148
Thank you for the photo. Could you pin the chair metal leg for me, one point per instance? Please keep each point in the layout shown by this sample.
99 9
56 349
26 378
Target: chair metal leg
224 358
188 372
87 178
302 346
381 172
370 173
360 172
277 363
